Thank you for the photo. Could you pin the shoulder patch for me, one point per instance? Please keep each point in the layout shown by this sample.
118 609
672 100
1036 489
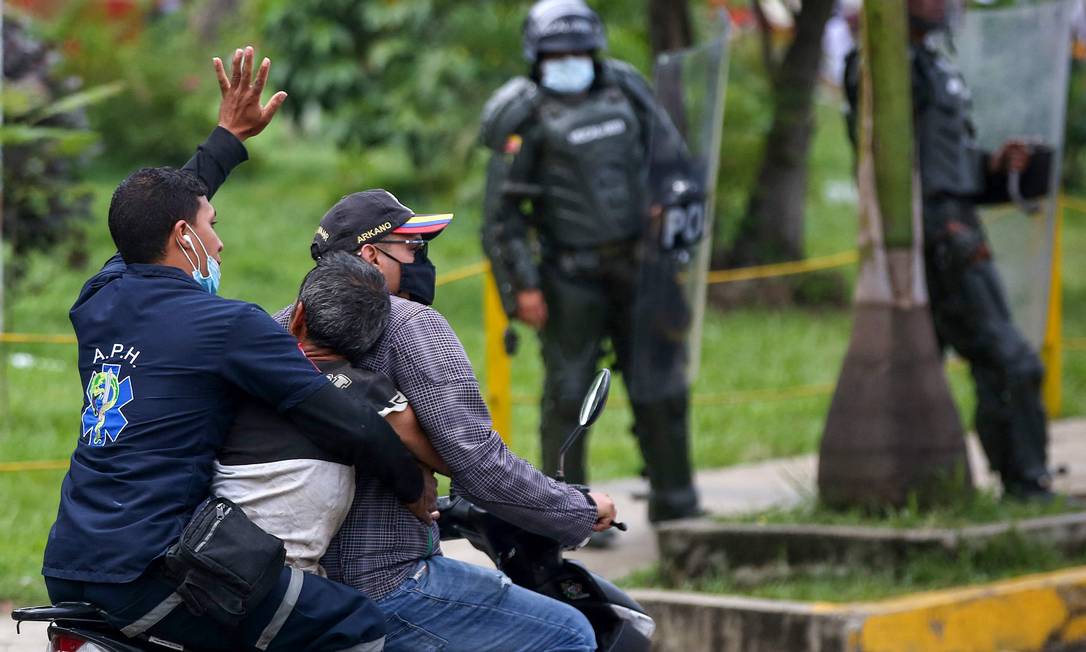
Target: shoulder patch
107 394
506 111
630 80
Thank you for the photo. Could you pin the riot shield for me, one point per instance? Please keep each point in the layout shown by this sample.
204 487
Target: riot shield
675 249
1016 61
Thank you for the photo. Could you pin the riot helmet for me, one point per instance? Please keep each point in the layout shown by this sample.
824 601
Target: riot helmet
933 15
561 26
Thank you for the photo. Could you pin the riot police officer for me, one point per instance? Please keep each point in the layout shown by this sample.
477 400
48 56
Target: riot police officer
570 164
968 303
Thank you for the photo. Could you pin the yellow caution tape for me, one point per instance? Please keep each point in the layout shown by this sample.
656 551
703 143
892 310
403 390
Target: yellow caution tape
840 259
460 274
746 397
36 338
1074 203
33 465
1074 344
724 398
474 269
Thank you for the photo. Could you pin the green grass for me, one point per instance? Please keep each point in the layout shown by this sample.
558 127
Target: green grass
1000 558
268 211
978 508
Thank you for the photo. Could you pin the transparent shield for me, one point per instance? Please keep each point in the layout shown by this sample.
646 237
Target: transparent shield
1016 62
675 251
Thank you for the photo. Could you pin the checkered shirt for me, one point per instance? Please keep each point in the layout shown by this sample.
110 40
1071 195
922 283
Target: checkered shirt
381 542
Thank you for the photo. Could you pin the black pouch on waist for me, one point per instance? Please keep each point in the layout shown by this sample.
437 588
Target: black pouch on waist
224 564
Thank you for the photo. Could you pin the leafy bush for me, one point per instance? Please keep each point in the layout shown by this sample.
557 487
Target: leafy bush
409 77
45 142
169 96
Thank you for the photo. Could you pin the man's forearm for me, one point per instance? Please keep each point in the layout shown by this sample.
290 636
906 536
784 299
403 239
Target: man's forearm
505 225
441 386
511 260
215 158
410 432
516 491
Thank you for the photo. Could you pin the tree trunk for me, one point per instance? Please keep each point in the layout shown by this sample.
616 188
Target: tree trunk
765 38
893 431
669 25
772 228
669 29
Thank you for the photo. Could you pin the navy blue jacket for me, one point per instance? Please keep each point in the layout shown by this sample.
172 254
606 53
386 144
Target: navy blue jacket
162 363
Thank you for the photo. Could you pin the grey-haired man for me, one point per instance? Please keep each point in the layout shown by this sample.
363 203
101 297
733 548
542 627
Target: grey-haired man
284 482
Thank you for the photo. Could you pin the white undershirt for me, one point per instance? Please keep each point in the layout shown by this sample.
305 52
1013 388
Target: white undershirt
303 502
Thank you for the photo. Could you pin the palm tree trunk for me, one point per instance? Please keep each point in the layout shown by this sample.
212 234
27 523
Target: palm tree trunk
893 430
669 25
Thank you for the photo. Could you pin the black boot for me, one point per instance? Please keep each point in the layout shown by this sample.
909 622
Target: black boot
661 429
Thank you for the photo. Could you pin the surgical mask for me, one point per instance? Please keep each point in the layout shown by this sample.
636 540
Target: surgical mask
210 282
419 279
567 75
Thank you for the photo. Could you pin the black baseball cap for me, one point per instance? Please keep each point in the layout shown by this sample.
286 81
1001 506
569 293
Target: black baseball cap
368 216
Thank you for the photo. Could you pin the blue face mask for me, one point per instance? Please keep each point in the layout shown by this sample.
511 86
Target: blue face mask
210 281
214 276
567 75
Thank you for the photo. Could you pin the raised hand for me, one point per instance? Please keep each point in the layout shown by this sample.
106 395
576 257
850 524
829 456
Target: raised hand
240 111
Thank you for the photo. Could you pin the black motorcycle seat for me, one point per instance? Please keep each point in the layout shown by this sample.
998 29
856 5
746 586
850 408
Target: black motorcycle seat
67 611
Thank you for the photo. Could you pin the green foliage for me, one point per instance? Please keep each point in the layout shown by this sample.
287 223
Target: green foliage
400 85
747 119
44 140
1074 156
397 76
973 509
169 94
408 79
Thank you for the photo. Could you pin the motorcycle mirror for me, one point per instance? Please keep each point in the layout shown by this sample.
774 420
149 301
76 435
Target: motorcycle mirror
591 408
596 398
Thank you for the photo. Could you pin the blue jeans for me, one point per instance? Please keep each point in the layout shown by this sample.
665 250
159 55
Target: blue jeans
451 605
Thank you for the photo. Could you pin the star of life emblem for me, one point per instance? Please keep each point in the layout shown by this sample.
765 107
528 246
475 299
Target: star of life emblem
103 420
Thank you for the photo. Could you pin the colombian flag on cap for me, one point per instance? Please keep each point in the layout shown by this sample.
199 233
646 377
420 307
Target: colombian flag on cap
428 226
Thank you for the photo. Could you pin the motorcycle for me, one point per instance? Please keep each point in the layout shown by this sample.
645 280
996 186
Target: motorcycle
532 561
536 563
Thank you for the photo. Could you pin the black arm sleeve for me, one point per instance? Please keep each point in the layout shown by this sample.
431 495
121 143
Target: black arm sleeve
215 158
213 161
851 84
352 430
505 232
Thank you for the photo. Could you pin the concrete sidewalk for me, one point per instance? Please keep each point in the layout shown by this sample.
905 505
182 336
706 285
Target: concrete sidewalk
736 489
732 490
751 487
